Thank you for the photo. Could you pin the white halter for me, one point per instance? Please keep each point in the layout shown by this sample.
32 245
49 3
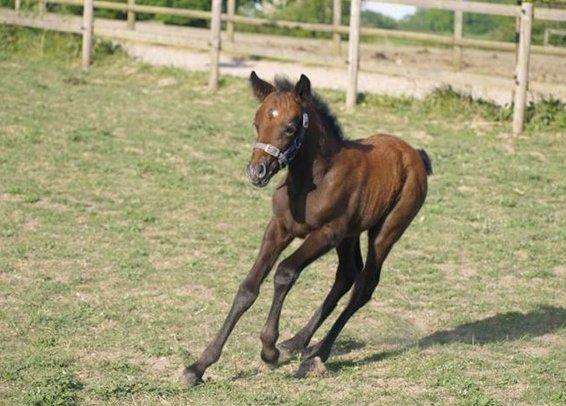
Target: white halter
287 156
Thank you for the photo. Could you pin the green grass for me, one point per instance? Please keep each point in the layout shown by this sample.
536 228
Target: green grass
127 222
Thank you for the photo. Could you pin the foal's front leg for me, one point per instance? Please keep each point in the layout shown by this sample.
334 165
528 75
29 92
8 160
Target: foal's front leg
274 242
317 243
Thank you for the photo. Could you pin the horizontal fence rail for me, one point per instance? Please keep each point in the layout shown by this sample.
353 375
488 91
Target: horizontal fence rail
541 13
140 8
550 14
457 5
549 32
452 5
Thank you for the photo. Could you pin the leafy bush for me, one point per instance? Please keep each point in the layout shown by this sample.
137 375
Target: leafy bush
545 113
372 19
498 28
439 21
540 115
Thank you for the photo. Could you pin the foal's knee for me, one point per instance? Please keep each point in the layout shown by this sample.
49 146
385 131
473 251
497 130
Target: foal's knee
285 275
348 280
247 294
367 292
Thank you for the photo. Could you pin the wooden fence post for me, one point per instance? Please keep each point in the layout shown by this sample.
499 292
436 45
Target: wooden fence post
214 44
131 15
457 49
87 28
231 9
41 7
353 54
546 37
336 22
522 71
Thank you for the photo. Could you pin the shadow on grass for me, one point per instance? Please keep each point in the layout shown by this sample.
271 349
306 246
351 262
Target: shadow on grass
502 327
499 328
347 345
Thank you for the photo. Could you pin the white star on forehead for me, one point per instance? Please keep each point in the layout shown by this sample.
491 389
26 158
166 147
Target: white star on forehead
274 113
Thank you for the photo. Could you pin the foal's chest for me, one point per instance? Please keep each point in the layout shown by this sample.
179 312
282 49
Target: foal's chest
303 212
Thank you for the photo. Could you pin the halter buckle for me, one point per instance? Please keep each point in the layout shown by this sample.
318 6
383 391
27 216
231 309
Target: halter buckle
305 120
272 150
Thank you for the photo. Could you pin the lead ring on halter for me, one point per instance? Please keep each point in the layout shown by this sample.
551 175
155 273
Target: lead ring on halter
284 158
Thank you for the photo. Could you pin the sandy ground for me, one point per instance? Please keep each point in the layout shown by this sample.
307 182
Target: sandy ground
408 82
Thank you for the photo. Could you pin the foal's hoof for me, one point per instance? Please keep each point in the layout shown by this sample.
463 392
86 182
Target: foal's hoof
270 357
311 367
191 377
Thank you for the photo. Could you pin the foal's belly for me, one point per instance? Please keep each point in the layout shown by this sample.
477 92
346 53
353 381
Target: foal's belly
349 224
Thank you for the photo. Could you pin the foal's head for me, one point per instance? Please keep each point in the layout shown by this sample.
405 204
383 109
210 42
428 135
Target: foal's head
281 122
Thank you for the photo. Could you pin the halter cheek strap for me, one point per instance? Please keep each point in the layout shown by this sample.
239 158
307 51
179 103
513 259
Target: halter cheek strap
285 157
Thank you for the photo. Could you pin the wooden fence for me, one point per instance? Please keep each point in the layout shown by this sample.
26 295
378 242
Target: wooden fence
524 14
336 29
551 31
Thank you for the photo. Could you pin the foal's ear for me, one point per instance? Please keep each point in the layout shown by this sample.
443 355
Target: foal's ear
303 88
260 87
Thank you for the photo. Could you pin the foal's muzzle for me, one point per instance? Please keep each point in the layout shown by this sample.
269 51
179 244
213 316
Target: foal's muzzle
261 173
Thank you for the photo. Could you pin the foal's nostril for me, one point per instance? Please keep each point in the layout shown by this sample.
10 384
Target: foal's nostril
257 173
261 170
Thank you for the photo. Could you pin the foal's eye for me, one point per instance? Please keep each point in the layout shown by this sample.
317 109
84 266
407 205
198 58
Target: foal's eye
290 130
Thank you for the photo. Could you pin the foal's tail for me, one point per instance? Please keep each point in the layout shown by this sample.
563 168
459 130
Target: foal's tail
426 161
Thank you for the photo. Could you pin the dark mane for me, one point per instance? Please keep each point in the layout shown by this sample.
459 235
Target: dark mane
333 127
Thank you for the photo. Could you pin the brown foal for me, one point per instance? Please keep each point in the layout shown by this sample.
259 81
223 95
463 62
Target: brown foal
334 190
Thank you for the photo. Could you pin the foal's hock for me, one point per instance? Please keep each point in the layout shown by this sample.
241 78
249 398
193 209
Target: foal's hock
333 191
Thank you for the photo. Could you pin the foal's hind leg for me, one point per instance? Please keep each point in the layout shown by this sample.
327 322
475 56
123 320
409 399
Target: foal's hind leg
349 266
381 240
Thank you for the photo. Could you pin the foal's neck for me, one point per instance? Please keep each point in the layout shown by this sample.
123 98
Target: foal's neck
314 158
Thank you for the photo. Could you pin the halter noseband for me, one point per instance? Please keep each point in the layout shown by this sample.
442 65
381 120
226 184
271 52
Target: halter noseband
285 157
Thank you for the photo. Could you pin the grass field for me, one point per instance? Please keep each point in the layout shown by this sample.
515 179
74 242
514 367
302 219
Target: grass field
127 223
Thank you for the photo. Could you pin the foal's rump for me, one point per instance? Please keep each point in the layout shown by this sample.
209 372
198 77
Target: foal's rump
390 147
383 171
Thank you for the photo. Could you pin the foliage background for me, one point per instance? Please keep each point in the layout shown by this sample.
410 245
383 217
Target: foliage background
424 20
